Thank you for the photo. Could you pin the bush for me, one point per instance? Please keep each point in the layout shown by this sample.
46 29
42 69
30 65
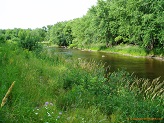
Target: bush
73 46
118 39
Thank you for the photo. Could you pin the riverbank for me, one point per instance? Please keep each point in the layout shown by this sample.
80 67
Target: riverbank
127 50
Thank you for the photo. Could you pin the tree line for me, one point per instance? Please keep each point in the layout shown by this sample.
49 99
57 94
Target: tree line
136 22
110 22
26 38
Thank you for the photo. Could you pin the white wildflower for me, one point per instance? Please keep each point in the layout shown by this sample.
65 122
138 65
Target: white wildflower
36 113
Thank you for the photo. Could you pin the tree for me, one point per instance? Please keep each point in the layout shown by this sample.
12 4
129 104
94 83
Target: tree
57 35
29 39
2 36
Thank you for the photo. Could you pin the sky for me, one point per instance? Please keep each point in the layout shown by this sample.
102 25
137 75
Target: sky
38 13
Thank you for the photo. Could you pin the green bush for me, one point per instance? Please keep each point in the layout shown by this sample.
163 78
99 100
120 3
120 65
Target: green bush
73 46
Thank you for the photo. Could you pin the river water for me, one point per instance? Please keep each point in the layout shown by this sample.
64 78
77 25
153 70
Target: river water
141 67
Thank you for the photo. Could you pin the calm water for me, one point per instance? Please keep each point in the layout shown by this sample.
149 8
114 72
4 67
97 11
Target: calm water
141 67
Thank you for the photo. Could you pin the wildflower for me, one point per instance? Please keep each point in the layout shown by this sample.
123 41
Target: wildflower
58 117
60 113
46 103
36 113
49 115
51 104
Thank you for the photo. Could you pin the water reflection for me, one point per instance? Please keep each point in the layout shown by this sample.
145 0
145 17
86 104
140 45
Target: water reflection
141 67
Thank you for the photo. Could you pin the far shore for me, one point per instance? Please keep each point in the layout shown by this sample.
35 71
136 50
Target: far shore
136 56
148 56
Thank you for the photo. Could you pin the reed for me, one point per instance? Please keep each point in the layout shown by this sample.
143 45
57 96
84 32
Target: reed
4 100
150 89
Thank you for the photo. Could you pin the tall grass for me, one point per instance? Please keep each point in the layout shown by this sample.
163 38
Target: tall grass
52 88
132 50
128 50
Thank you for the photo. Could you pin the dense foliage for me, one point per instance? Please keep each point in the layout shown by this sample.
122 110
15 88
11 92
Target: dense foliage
112 22
26 38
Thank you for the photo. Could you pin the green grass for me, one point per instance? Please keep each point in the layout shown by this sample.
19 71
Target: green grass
121 49
127 50
52 88
124 49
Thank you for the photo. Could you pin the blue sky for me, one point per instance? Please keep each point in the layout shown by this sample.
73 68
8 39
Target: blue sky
39 13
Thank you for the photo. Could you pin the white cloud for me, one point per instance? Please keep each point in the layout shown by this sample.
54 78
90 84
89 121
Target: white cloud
38 13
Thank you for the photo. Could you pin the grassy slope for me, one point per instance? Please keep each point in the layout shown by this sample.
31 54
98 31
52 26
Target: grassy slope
77 91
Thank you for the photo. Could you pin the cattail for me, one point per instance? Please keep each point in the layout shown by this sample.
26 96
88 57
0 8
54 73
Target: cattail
7 94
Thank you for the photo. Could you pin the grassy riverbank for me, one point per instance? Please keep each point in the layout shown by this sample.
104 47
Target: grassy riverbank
52 88
124 49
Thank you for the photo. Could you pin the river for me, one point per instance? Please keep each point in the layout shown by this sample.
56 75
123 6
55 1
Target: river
141 67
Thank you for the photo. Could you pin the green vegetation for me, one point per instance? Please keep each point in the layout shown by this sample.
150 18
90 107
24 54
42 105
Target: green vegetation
128 50
27 38
115 22
106 26
50 88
